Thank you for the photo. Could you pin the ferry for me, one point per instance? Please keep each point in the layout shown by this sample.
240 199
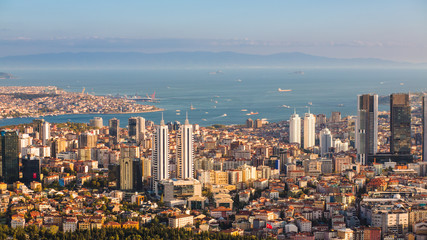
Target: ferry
252 113
284 90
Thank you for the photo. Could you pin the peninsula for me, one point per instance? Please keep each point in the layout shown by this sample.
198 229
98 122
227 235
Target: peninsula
36 101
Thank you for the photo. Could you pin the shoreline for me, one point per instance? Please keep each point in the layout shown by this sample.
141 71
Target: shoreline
41 116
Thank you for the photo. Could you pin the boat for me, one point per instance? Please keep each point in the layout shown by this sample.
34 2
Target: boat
284 90
204 119
340 105
216 72
252 113
310 103
178 113
224 115
286 106
239 80
191 107
178 110
244 110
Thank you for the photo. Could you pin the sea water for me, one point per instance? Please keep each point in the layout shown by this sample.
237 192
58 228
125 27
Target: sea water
219 97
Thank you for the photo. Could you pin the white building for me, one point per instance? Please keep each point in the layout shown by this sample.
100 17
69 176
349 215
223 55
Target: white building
160 155
184 151
69 225
325 141
45 132
295 129
309 130
181 221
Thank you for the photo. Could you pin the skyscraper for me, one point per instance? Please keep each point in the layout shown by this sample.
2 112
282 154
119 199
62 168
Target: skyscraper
45 132
184 154
9 156
366 133
137 128
325 141
114 124
309 130
400 123
295 129
127 157
160 155
425 128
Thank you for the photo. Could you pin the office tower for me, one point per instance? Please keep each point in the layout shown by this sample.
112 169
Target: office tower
137 174
336 117
58 145
184 151
45 132
114 125
127 157
96 122
160 155
249 123
295 129
87 139
400 123
425 128
9 156
325 141
137 128
366 133
309 130
133 127
31 170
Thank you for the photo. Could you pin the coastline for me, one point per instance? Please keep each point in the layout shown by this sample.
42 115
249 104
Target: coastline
83 113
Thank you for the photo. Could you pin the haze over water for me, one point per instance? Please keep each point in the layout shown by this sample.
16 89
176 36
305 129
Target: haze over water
219 98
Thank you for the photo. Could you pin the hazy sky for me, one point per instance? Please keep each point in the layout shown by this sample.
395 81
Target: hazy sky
388 29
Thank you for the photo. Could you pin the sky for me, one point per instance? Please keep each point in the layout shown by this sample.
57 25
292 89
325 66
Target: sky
386 29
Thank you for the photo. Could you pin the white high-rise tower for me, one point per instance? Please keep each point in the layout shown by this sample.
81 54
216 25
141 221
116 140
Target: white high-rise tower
295 129
160 155
309 130
45 132
325 141
184 146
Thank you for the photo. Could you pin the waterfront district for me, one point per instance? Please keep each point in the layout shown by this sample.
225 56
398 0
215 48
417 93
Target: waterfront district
17 101
311 177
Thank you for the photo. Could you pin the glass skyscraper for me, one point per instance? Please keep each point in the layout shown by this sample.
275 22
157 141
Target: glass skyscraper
9 156
400 123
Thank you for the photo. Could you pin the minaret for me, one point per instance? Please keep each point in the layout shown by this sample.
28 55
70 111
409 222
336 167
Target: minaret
184 145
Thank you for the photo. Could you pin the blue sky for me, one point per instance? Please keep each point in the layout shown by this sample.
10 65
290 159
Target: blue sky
393 30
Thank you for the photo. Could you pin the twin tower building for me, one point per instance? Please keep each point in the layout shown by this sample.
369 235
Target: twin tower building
160 153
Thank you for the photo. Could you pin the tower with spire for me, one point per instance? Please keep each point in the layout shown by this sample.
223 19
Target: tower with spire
160 155
184 145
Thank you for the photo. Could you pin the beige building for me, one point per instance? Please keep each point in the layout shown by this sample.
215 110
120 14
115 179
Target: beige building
181 221
127 155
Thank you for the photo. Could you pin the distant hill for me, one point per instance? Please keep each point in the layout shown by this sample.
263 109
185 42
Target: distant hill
187 59
4 75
